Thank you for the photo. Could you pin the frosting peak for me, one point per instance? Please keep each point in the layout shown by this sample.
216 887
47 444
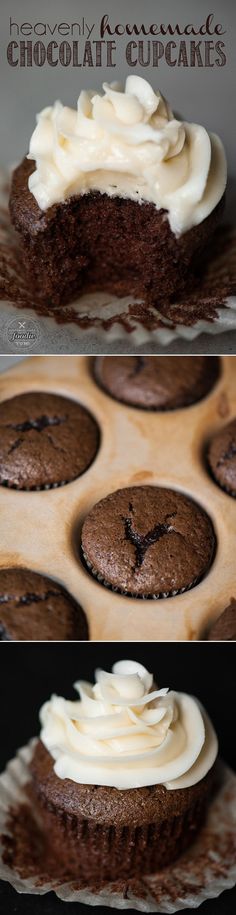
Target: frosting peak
125 733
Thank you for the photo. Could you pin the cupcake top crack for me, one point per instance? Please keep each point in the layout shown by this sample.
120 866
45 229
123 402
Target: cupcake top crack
142 542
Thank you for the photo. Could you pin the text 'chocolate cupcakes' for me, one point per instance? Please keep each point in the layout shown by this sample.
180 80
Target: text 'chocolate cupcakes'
222 458
45 441
157 382
36 608
148 541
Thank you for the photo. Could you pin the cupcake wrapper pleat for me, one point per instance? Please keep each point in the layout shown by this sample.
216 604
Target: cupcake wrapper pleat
42 488
96 851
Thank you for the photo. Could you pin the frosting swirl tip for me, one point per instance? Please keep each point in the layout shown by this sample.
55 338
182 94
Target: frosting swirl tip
124 732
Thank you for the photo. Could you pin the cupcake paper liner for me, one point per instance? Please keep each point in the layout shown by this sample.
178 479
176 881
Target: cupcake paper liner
42 488
201 873
98 318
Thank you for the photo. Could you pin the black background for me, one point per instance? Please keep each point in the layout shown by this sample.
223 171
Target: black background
29 673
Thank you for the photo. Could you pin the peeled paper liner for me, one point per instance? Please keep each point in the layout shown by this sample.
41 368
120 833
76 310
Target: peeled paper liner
211 308
202 873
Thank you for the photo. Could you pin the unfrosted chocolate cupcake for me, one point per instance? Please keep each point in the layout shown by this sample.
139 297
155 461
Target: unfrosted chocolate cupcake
45 440
147 541
157 382
36 608
222 457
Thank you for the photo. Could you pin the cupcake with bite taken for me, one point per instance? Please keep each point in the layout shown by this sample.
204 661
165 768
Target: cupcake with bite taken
118 195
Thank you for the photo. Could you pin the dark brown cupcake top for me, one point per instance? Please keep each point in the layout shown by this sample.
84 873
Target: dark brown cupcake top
36 608
132 807
222 457
224 629
157 382
45 440
148 541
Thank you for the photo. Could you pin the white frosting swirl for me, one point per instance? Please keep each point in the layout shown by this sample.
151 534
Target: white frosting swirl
128 143
125 733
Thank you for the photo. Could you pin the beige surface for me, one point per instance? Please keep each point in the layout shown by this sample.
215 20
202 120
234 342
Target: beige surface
41 530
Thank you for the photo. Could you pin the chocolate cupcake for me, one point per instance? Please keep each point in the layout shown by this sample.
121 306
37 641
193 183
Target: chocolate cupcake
224 628
85 222
46 441
36 608
157 382
129 804
147 541
222 458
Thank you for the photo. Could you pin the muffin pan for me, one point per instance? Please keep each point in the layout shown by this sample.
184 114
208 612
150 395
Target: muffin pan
41 530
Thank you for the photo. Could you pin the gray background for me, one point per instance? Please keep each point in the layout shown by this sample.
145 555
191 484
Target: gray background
203 95
6 362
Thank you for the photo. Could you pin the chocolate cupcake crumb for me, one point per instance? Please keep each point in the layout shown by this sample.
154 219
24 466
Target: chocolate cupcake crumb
107 238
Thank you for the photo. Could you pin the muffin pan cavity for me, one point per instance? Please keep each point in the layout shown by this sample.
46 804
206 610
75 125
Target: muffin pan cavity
41 530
